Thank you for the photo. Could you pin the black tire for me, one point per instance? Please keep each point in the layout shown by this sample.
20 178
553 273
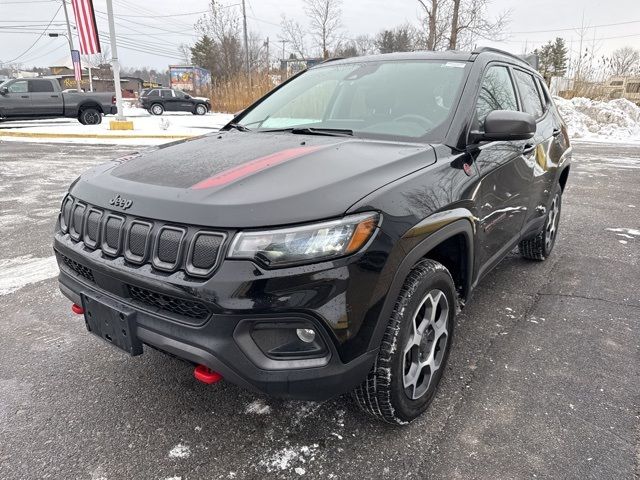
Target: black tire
201 109
384 393
540 246
156 109
90 116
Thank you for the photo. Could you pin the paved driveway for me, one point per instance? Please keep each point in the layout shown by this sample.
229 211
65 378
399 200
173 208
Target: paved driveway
542 381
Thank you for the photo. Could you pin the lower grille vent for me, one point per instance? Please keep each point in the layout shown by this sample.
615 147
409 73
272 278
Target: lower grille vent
79 269
171 304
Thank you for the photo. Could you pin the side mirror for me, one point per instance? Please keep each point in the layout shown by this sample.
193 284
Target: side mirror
188 97
505 125
4 90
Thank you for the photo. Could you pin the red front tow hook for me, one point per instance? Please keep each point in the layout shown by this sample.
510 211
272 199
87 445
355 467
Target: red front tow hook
75 308
206 375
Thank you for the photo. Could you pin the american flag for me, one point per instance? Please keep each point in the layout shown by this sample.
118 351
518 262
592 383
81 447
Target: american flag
86 24
77 68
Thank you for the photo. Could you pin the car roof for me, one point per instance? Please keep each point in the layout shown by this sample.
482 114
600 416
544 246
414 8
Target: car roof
447 55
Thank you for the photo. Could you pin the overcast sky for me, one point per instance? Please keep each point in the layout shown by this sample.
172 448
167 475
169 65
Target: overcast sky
160 36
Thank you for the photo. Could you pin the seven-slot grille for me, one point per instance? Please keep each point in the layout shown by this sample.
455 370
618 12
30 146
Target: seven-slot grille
165 247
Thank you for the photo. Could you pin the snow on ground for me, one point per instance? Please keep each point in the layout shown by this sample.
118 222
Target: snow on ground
611 121
170 124
15 273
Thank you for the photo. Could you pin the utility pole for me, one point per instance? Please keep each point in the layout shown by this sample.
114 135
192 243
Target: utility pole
66 16
246 40
114 61
283 65
266 44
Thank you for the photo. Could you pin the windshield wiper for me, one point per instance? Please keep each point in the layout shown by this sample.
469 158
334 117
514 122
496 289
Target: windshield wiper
334 132
237 126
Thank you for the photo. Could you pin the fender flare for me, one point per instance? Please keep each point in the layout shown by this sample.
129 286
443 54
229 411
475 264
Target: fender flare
460 226
89 104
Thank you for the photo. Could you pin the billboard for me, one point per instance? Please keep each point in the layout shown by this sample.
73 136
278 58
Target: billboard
189 78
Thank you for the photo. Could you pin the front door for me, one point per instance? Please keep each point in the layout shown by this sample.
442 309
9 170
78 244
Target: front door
505 174
15 102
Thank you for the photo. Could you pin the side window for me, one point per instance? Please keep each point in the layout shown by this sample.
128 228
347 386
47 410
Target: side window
154 93
167 94
40 86
529 93
18 87
544 91
179 94
496 93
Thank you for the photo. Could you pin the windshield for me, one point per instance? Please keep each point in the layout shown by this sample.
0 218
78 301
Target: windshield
392 98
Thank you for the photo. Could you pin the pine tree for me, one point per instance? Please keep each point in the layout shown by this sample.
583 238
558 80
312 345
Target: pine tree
552 59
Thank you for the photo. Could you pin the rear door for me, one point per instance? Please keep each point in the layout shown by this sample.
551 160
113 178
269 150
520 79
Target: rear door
44 99
543 160
504 193
15 103
169 100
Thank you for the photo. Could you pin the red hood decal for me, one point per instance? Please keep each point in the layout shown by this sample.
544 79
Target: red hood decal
254 166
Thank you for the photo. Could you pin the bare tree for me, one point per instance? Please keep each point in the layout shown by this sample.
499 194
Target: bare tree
437 15
469 20
365 44
293 33
325 22
624 61
102 58
185 53
431 9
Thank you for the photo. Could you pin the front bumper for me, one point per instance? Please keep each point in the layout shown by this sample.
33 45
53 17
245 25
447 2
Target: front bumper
235 294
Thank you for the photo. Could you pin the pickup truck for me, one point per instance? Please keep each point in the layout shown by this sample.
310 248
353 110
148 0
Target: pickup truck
31 98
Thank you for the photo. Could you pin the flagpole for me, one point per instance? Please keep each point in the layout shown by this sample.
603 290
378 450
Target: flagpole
66 16
114 61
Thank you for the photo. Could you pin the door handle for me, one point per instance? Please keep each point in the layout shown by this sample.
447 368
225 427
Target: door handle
54 96
24 96
556 132
528 148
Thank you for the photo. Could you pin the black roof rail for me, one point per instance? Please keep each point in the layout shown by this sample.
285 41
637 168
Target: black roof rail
332 59
522 59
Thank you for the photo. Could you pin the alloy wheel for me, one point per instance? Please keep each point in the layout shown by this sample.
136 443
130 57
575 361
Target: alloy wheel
551 229
427 344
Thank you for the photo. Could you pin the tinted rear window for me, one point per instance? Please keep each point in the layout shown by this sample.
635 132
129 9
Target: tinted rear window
37 86
529 93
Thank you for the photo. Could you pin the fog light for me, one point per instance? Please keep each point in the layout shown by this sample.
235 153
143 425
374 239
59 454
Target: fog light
307 335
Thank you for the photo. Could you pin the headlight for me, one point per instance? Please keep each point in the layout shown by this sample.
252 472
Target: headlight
307 243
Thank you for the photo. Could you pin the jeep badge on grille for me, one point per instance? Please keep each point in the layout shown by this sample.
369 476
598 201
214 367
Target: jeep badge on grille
120 202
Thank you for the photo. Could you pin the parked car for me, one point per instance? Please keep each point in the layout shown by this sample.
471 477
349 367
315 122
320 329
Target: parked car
31 98
325 240
159 100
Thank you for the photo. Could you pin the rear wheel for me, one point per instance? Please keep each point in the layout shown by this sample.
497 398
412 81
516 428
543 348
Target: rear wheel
540 246
90 116
415 347
201 109
156 109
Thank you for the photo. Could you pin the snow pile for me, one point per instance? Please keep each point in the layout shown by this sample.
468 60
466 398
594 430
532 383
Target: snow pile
617 119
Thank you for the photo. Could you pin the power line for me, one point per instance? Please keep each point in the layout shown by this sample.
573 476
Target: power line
578 28
39 36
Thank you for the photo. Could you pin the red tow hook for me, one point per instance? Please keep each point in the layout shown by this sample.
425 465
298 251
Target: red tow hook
206 375
75 308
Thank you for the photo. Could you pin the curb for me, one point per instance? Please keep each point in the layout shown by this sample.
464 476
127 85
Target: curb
7 133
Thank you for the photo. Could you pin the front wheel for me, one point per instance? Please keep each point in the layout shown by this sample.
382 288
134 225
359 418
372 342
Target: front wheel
540 246
90 116
415 347
201 109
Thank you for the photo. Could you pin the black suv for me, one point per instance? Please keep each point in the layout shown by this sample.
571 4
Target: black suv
323 242
159 100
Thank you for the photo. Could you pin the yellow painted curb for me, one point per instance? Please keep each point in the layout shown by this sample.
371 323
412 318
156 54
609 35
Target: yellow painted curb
6 133
120 125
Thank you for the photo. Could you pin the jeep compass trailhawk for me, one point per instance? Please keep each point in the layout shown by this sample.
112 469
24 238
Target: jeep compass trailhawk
325 239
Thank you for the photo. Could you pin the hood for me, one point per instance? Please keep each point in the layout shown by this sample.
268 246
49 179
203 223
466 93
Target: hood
251 179
204 99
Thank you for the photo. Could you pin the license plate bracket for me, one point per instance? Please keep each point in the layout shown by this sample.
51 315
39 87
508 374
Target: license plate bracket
112 322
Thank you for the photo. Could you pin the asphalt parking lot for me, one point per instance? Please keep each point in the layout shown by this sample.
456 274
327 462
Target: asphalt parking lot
542 382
